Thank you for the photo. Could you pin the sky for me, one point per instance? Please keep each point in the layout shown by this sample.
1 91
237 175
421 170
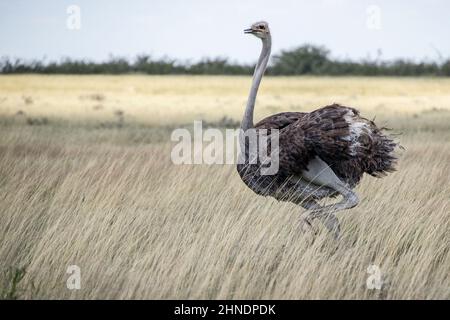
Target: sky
191 30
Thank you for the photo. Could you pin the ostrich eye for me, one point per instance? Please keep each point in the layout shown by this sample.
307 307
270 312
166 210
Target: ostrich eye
261 27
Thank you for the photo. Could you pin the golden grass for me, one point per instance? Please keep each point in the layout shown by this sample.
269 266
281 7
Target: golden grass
108 199
165 100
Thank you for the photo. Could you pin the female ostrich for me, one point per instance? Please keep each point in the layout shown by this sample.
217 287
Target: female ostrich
322 154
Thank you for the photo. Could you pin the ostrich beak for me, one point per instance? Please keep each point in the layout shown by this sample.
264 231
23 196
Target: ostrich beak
250 30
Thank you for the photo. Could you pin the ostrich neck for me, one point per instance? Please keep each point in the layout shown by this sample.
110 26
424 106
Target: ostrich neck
247 121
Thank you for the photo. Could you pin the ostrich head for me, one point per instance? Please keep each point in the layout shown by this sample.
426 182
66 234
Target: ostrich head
259 29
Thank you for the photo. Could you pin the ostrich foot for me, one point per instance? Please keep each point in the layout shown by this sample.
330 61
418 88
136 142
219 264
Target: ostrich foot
330 221
306 224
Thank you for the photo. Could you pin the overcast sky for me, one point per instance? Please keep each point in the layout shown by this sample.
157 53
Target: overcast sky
206 28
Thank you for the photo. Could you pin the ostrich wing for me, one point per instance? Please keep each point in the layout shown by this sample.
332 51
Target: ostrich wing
279 120
304 136
348 143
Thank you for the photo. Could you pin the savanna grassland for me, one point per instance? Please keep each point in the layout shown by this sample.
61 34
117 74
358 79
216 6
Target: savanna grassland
86 179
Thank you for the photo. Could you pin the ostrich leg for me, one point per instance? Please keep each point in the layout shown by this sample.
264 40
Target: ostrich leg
305 218
319 173
330 221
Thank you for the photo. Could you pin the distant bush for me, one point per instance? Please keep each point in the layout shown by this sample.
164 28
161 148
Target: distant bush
315 60
445 69
218 66
303 60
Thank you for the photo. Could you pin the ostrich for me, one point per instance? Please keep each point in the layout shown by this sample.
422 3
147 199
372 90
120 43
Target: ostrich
322 154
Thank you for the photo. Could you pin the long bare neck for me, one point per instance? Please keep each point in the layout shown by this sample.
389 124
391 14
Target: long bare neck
247 121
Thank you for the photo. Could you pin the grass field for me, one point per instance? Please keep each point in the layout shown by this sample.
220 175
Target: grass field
86 179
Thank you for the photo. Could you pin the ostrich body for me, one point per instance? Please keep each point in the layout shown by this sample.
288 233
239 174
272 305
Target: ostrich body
322 154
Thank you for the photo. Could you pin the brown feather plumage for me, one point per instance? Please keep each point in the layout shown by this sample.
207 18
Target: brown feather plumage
326 133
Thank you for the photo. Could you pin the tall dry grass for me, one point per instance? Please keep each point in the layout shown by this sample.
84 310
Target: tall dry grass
108 199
